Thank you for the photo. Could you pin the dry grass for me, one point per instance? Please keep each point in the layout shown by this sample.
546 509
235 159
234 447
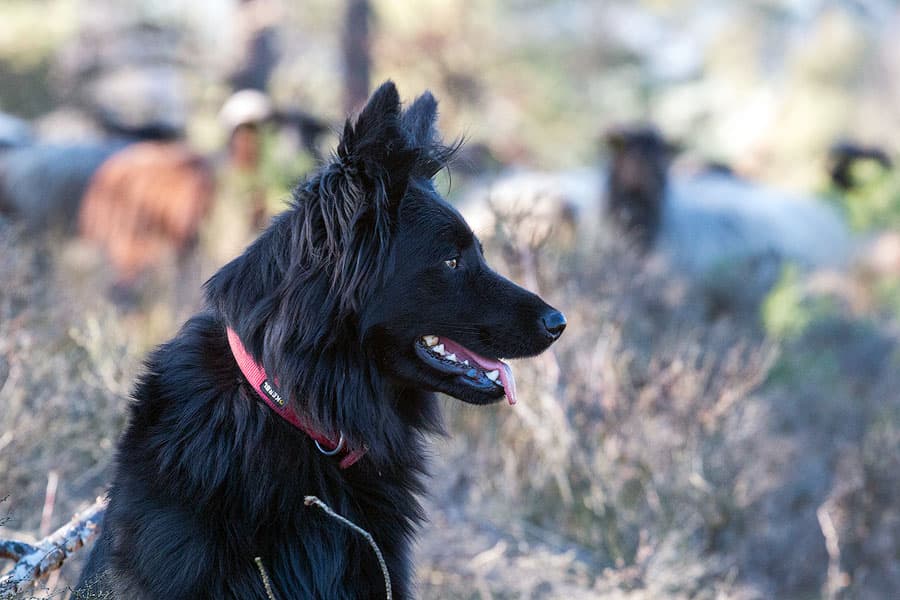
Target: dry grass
665 447
65 370
678 451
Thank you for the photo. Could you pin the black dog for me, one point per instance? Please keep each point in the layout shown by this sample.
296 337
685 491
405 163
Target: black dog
312 373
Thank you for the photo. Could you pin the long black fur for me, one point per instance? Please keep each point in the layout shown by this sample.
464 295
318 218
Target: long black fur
330 299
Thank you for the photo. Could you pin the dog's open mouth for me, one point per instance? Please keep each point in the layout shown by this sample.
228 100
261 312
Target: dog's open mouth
485 374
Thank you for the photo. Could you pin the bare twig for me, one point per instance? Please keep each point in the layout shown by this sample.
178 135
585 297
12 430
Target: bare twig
43 530
313 500
14 549
49 502
265 577
4 519
837 579
36 561
757 366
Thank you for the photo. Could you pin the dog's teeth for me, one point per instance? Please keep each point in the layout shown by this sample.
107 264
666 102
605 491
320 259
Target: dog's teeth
430 340
439 349
466 362
493 375
451 357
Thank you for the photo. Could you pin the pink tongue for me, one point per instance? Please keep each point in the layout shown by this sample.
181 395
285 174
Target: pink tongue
506 376
509 383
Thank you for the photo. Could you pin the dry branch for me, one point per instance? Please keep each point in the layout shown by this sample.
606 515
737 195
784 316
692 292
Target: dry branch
14 549
36 561
314 501
265 578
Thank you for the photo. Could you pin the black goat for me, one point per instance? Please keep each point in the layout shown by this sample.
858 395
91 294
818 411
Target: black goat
845 154
636 185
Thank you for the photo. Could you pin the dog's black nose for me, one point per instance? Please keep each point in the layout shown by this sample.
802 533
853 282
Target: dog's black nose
554 323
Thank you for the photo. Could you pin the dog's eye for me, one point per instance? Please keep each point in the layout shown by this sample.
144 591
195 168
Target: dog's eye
451 263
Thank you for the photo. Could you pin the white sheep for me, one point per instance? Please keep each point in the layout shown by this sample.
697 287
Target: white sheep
695 223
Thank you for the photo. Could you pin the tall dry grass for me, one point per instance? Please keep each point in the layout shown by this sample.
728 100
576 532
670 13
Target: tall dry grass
681 449
666 446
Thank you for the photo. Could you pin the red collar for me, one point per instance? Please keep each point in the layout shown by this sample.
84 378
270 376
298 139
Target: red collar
256 375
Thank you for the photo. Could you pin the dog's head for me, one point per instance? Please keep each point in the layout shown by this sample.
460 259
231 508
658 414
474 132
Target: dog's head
441 318
373 280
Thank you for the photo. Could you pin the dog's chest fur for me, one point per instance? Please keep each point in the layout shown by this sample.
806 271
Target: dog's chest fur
209 478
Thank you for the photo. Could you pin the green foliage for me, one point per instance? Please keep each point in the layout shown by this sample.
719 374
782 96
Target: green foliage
886 295
874 203
280 170
787 312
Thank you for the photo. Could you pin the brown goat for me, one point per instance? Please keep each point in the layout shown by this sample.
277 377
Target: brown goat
145 203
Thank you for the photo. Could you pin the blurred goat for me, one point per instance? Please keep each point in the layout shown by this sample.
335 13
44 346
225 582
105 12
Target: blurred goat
845 154
696 222
572 207
636 186
713 219
14 132
41 186
138 201
145 203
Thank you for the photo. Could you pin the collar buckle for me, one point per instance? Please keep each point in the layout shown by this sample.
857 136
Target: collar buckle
335 450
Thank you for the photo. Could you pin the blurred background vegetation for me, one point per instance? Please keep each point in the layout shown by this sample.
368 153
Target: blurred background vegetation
729 435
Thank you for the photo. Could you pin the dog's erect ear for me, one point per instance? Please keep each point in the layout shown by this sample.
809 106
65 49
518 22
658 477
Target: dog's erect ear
419 120
383 105
376 148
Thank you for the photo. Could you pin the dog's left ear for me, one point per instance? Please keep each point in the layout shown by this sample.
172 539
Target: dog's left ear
419 120
376 149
